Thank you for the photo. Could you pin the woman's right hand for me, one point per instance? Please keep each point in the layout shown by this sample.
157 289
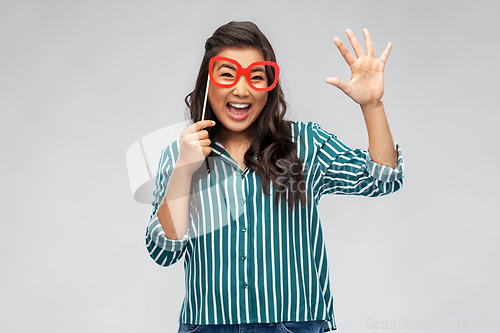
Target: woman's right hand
194 147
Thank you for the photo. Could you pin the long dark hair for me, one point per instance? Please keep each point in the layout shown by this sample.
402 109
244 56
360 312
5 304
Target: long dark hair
276 160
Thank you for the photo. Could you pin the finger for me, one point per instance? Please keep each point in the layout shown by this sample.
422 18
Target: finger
205 142
355 45
341 84
206 151
369 44
386 53
349 58
197 126
201 135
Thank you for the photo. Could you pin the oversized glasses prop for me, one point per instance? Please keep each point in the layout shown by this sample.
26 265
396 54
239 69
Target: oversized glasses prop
226 72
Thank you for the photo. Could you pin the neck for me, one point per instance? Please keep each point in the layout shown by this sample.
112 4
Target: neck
235 139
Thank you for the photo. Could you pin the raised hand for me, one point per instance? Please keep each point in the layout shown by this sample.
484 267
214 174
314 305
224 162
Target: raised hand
194 146
367 72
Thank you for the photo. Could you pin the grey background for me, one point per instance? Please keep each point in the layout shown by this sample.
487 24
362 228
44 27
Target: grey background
81 81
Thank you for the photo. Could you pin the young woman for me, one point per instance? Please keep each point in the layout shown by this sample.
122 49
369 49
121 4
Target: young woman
237 194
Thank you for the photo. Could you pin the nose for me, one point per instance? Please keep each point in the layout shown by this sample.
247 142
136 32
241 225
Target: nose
241 88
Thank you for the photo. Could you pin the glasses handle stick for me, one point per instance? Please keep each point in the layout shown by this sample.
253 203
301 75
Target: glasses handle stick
205 100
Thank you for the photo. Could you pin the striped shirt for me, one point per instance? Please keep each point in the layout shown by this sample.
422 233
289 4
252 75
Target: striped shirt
247 260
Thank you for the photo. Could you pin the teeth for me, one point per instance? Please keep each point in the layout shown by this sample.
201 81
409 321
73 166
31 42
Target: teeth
239 106
238 114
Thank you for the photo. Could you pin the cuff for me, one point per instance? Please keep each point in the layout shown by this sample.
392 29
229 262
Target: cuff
157 234
385 173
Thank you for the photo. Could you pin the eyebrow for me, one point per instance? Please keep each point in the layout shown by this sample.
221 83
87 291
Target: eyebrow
227 66
258 69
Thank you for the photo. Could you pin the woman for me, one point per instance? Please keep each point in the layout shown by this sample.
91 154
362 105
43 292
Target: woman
238 192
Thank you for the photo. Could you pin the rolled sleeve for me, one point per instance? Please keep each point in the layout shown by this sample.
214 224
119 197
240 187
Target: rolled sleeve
341 170
385 173
157 235
162 250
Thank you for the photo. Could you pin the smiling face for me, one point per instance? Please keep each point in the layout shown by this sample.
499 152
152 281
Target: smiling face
237 107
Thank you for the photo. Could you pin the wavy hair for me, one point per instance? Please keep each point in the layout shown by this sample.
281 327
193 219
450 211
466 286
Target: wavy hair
277 161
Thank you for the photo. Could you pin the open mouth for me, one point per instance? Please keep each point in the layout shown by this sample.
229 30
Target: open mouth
238 111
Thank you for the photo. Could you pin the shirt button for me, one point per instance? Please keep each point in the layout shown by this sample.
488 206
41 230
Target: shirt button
245 284
243 257
244 229
242 176
242 201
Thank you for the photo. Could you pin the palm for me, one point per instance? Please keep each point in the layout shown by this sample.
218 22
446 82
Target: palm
367 72
367 80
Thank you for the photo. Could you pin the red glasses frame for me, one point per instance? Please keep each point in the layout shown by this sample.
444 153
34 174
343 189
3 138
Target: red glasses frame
244 71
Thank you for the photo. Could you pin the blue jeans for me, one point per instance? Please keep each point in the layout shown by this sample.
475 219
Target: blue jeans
284 327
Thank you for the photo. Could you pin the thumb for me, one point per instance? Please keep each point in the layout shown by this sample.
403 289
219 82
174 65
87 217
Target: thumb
341 84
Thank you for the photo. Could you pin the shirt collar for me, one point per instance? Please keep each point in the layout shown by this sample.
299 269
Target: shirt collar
219 150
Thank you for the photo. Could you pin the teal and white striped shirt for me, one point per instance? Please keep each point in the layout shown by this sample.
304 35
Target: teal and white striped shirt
247 261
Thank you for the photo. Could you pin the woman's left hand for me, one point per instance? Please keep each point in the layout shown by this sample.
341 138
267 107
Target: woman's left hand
367 72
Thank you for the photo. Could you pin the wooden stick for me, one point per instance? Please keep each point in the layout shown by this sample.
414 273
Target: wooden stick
205 101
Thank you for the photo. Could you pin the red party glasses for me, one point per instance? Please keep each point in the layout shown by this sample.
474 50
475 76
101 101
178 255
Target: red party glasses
225 73
261 75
